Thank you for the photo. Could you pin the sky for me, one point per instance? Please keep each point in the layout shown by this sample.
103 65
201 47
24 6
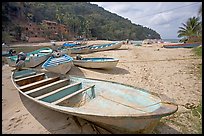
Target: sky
163 17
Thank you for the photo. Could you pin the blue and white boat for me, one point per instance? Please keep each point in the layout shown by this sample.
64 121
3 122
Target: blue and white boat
101 63
117 107
103 47
60 64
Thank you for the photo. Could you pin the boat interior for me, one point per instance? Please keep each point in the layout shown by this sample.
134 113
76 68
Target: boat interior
52 88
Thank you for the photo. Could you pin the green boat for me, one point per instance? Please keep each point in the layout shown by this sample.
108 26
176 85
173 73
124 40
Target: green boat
33 58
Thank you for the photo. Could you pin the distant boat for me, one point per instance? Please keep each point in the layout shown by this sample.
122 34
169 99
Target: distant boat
103 47
81 49
69 45
74 44
103 63
95 48
61 64
33 58
182 45
117 107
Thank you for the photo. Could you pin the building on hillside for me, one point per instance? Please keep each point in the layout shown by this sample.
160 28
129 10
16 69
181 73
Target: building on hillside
46 31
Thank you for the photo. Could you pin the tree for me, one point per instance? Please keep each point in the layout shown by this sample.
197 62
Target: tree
190 29
200 11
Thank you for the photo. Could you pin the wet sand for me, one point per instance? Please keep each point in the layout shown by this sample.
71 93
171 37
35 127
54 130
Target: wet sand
172 72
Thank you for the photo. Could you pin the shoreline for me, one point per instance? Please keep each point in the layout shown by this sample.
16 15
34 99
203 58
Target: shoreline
165 71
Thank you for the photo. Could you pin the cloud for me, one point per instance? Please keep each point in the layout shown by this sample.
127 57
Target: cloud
150 14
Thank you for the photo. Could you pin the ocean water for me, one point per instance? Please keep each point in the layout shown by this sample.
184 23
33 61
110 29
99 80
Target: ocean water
171 40
138 43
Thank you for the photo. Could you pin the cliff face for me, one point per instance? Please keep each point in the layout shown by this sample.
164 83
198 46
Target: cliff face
75 18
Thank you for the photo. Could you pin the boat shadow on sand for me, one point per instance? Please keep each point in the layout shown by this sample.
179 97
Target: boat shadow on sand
114 71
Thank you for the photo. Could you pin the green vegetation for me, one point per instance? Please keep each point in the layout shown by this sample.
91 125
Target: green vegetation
192 29
198 52
81 18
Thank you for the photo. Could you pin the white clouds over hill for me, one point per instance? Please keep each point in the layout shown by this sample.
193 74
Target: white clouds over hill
163 17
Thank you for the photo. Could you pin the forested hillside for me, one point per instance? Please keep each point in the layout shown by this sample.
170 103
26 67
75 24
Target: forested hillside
81 18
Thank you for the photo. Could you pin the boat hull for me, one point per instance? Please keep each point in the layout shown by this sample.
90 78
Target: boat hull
60 65
182 45
117 107
105 47
33 59
62 68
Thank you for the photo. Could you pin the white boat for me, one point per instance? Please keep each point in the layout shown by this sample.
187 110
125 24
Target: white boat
95 48
102 63
60 64
117 107
33 58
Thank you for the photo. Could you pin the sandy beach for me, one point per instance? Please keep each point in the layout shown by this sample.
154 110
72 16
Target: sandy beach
172 72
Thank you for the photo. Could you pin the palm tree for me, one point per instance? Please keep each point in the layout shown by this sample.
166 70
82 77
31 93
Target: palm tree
200 11
190 29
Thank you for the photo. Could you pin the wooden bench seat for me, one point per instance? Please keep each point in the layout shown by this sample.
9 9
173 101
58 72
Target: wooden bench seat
38 83
47 88
71 95
29 79
30 73
58 90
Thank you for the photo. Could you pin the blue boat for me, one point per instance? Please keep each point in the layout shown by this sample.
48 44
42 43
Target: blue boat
61 64
70 45
117 107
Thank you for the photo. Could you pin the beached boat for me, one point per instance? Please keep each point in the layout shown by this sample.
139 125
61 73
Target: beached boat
33 58
95 48
69 45
81 49
103 63
60 64
103 47
117 107
183 45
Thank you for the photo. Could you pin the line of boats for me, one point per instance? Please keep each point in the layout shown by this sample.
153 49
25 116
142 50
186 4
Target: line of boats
117 107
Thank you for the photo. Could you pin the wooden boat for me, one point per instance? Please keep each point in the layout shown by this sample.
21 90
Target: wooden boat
103 47
33 58
60 64
103 63
183 45
117 107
